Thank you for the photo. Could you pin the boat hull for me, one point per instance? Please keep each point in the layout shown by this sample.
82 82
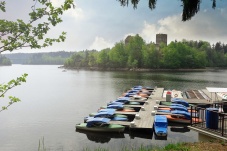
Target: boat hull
106 128
181 120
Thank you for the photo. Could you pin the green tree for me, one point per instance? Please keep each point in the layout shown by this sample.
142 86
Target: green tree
103 58
4 61
134 51
117 55
33 34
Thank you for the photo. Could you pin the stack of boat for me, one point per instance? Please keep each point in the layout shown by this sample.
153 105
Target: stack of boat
100 121
177 111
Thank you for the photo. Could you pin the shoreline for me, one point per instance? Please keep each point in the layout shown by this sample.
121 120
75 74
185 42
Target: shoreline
143 69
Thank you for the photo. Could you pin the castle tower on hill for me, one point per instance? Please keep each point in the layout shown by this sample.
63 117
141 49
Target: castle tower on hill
161 38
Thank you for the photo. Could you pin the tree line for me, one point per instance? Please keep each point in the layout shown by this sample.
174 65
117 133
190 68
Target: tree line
48 58
135 53
4 61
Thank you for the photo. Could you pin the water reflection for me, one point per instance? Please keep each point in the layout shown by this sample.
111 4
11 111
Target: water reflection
179 129
102 137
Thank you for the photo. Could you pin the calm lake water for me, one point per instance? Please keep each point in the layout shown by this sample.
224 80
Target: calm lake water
53 102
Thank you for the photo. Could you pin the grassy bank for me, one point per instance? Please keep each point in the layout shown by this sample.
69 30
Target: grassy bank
197 146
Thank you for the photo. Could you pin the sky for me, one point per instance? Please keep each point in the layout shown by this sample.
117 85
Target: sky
100 24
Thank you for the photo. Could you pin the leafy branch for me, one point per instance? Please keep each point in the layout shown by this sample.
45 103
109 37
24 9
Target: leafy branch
6 87
18 34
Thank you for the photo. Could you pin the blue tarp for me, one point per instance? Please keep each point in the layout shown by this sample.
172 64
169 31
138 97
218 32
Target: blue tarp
115 106
186 114
161 120
179 108
105 114
92 121
115 103
180 101
104 110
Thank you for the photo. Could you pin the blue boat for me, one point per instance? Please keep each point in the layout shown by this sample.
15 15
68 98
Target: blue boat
100 125
106 115
115 106
160 126
115 103
180 101
110 111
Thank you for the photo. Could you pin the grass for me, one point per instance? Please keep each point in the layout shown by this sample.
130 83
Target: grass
212 145
41 146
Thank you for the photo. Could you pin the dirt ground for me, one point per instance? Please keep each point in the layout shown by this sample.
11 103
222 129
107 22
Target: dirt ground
207 146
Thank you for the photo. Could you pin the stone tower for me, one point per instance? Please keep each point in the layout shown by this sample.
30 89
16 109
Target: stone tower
161 38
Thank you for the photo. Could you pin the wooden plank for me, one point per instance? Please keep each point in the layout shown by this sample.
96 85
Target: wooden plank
212 96
198 101
145 119
157 93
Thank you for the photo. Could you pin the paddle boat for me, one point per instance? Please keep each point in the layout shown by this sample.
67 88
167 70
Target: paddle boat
107 114
176 107
118 107
100 125
160 125
120 103
104 115
106 110
180 101
181 117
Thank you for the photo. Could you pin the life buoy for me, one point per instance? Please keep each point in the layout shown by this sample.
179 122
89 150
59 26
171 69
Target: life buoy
175 95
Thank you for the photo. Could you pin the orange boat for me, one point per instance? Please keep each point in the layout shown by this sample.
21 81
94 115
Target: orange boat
173 108
181 117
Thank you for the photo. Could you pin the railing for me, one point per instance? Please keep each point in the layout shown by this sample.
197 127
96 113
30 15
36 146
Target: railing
210 120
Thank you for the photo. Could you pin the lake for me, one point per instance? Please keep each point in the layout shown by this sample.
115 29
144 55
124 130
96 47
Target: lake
53 102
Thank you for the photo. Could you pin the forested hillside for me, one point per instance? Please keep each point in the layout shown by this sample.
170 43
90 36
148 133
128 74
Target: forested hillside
4 61
50 58
135 53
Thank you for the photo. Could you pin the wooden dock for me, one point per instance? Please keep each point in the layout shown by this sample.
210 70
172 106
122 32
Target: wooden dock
144 118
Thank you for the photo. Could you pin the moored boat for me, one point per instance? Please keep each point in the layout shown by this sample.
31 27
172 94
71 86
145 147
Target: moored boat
100 125
181 117
107 114
160 125
176 107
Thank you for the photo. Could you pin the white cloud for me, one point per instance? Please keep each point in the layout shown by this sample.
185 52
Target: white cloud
206 26
100 43
76 12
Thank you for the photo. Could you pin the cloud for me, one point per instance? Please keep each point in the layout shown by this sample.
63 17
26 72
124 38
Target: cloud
206 26
100 43
76 13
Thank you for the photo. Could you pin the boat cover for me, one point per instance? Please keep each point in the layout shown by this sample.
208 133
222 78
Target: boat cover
178 108
161 121
104 110
115 106
92 121
122 99
119 118
138 86
115 103
174 104
133 91
105 114
180 101
186 114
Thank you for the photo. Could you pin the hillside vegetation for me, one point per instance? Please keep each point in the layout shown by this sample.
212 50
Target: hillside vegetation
135 53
